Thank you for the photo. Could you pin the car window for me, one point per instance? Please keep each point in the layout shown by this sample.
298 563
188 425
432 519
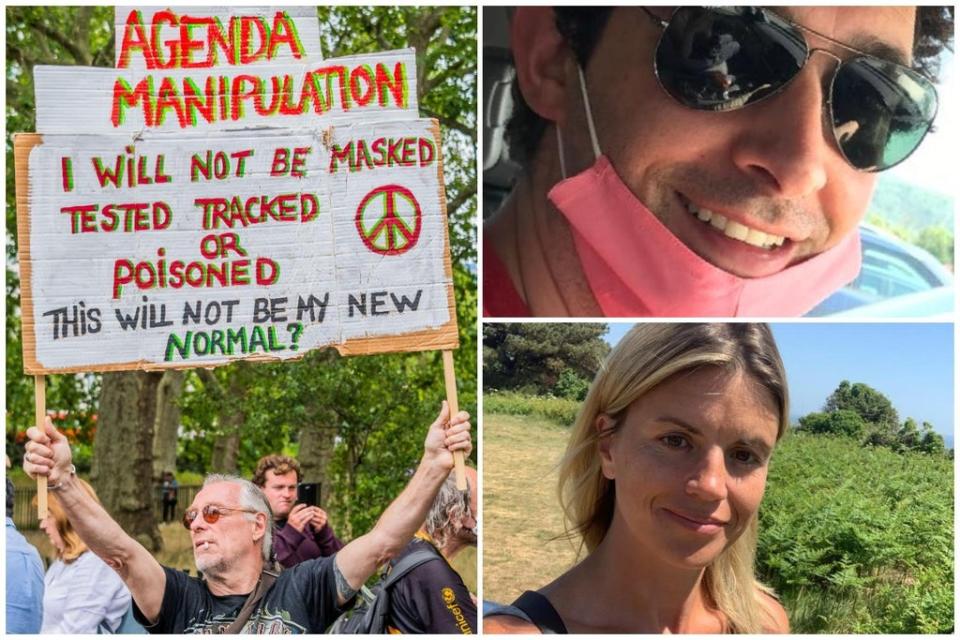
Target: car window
885 274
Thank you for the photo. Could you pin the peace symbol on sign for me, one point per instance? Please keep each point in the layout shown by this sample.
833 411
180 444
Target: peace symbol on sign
389 220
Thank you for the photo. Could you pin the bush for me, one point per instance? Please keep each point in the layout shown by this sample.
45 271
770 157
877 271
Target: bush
858 540
571 386
558 410
842 423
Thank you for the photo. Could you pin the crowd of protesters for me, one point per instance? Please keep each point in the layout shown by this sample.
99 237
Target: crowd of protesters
267 562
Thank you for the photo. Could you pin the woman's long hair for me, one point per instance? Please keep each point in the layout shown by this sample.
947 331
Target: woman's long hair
73 546
648 355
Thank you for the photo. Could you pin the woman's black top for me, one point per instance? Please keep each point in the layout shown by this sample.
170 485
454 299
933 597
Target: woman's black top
541 612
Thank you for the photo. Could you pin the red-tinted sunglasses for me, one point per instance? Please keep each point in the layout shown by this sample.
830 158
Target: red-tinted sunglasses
211 513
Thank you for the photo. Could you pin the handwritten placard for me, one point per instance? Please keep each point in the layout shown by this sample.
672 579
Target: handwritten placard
225 193
195 251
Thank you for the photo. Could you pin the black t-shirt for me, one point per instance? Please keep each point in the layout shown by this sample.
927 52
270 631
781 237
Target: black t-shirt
431 599
302 600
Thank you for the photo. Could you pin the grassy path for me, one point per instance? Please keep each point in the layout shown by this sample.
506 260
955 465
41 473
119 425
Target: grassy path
521 512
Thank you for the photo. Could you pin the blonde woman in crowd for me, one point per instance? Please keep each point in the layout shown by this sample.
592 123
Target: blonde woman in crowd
81 593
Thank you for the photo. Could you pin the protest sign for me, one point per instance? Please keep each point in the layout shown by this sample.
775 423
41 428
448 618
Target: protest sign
164 241
226 193
195 251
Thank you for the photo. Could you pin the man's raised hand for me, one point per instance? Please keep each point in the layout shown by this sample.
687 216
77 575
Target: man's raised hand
447 435
47 453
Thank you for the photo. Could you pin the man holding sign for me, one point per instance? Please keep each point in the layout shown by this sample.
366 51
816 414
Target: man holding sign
230 526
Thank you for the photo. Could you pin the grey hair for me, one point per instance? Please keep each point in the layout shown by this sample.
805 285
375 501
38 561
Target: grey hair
450 505
251 497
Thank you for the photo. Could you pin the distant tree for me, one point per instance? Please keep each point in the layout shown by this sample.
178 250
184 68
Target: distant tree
842 423
909 434
881 438
931 441
870 404
534 356
938 241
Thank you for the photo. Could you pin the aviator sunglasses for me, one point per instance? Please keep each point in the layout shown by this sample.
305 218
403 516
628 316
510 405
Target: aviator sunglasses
725 58
211 513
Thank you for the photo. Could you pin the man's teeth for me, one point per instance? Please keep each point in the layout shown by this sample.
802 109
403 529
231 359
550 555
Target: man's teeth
735 230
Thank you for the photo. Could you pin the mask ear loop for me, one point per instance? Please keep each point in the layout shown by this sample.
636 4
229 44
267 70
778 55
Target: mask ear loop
590 128
563 163
586 108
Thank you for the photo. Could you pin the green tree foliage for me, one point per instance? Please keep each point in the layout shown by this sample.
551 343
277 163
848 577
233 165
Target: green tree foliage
44 35
534 356
378 406
858 540
916 215
843 422
571 386
930 441
909 435
858 411
870 404
938 241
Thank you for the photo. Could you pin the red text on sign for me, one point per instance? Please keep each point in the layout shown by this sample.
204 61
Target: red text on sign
201 40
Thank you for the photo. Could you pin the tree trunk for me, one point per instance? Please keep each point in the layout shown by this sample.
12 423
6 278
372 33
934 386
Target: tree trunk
223 459
317 439
167 424
232 418
122 468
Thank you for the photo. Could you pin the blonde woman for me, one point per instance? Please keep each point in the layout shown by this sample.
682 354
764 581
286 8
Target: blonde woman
661 482
81 593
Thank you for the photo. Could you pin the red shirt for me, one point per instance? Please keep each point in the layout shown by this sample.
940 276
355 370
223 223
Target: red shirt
500 297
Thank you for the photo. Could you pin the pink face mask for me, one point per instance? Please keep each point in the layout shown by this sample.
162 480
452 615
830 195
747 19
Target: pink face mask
637 267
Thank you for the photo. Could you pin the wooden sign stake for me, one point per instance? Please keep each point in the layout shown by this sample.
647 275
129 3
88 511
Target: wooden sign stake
451 383
40 415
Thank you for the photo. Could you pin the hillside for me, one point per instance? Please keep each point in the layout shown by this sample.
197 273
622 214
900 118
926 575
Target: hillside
904 205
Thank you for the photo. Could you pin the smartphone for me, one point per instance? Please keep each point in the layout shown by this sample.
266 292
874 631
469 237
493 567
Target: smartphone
308 493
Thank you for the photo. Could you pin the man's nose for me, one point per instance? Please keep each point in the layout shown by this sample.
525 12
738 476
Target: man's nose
786 146
709 479
198 523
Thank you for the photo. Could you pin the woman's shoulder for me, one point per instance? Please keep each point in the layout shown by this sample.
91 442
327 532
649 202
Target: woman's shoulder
506 622
776 620
532 612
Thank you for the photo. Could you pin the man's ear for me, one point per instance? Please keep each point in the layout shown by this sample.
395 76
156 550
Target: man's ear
604 425
539 54
260 530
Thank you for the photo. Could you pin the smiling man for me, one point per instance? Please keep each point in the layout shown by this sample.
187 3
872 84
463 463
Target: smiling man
230 526
702 161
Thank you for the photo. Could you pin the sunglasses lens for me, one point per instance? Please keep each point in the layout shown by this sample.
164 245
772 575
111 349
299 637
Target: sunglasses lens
881 112
210 516
723 58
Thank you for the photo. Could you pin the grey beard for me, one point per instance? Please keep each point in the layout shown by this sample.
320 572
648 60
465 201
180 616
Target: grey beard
211 567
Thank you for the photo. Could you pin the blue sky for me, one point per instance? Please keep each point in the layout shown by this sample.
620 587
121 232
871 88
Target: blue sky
910 363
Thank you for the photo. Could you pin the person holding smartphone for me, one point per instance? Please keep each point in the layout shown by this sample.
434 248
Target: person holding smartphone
302 529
